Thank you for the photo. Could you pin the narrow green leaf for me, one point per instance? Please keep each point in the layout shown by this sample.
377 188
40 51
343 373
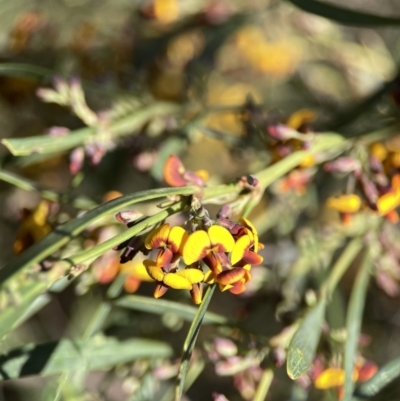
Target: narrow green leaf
385 375
28 185
161 306
124 126
353 323
304 343
344 15
98 353
190 341
15 314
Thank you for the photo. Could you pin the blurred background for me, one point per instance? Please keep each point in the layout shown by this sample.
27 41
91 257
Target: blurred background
217 62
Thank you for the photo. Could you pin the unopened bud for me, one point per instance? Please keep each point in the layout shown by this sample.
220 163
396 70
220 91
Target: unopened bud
224 212
343 165
370 191
76 160
58 131
225 347
219 397
128 216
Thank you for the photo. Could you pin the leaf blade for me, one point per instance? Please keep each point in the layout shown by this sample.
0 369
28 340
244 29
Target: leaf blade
353 323
304 343
55 357
343 15
161 306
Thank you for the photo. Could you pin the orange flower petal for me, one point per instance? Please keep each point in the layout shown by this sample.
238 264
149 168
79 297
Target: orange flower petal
154 271
252 258
366 371
158 238
231 276
213 262
396 182
131 284
194 276
221 238
388 202
238 288
196 247
177 238
172 172
160 290
177 282
164 257
346 203
392 216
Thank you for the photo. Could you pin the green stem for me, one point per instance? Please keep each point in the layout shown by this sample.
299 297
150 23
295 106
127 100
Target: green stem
190 341
340 267
121 127
28 185
353 323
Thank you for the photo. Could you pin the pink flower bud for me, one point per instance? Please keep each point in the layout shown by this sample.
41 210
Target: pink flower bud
128 216
343 165
225 347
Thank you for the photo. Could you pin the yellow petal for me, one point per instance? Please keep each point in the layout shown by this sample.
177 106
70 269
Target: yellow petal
203 174
300 117
154 271
388 202
248 224
379 151
177 282
346 203
332 377
177 238
137 270
194 276
224 288
221 236
241 245
209 277
196 247
158 237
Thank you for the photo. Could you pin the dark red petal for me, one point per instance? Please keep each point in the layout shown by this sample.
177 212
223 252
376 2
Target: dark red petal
231 276
252 258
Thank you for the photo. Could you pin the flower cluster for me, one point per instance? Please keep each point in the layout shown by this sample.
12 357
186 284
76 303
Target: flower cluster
376 183
213 252
243 367
227 251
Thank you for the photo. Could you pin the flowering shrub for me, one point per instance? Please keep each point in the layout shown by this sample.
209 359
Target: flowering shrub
247 154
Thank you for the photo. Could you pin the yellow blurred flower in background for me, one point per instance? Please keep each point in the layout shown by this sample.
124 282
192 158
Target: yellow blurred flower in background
34 227
277 59
166 11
